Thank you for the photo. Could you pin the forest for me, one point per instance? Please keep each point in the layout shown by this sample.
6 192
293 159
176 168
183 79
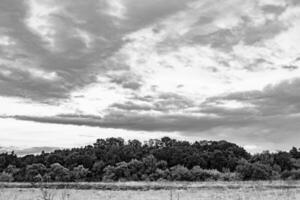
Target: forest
165 159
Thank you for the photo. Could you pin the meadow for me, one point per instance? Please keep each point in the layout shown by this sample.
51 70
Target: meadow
259 190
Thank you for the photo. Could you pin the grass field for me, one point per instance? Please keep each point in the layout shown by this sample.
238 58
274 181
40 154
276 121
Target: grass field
150 191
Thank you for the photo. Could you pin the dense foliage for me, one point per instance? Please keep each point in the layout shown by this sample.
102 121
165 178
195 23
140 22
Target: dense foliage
113 159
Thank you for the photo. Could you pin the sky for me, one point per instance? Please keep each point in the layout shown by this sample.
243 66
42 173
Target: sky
73 71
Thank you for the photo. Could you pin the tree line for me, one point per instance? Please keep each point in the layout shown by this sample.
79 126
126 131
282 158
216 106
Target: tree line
165 159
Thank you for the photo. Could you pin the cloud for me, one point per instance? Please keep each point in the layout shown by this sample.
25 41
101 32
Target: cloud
267 116
146 13
135 121
70 39
279 99
27 151
43 43
79 42
126 80
199 68
31 83
274 9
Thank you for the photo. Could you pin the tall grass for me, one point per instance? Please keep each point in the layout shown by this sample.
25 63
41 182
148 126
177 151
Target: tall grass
256 192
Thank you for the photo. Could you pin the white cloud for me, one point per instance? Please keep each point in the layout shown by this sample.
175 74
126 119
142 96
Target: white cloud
6 40
86 37
116 9
40 22
19 106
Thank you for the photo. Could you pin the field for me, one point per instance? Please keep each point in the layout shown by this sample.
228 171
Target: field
153 191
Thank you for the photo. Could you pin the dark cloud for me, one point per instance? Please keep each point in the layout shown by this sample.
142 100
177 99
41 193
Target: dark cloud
293 2
290 67
278 99
274 102
147 12
268 116
164 102
131 106
268 30
246 31
274 9
74 61
142 122
225 39
248 130
22 83
84 42
74 68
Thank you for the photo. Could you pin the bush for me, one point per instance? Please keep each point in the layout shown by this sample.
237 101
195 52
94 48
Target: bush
180 173
230 176
98 168
109 174
35 172
254 171
200 174
6 177
291 175
59 173
80 173
160 175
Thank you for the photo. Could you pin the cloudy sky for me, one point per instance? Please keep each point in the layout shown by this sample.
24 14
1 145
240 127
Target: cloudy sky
72 71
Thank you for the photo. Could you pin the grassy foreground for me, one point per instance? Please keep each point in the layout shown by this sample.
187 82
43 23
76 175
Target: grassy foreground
152 191
144 186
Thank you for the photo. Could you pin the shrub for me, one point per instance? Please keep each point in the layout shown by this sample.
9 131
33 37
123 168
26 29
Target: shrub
254 171
291 175
59 173
160 175
230 176
98 168
80 173
35 172
180 173
6 177
109 174
200 174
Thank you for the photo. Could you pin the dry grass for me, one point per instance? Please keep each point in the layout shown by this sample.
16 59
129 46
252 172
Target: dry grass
246 191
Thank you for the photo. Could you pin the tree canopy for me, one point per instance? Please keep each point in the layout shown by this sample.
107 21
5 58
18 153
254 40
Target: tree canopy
114 159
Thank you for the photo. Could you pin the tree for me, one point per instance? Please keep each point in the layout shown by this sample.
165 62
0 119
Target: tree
35 172
109 174
59 173
195 160
6 177
199 174
180 173
80 173
158 159
18 174
284 160
54 158
218 160
97 169
149 164
295 153
254 171
136 169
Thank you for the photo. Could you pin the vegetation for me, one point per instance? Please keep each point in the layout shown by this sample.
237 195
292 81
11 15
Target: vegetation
256 190
113 159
